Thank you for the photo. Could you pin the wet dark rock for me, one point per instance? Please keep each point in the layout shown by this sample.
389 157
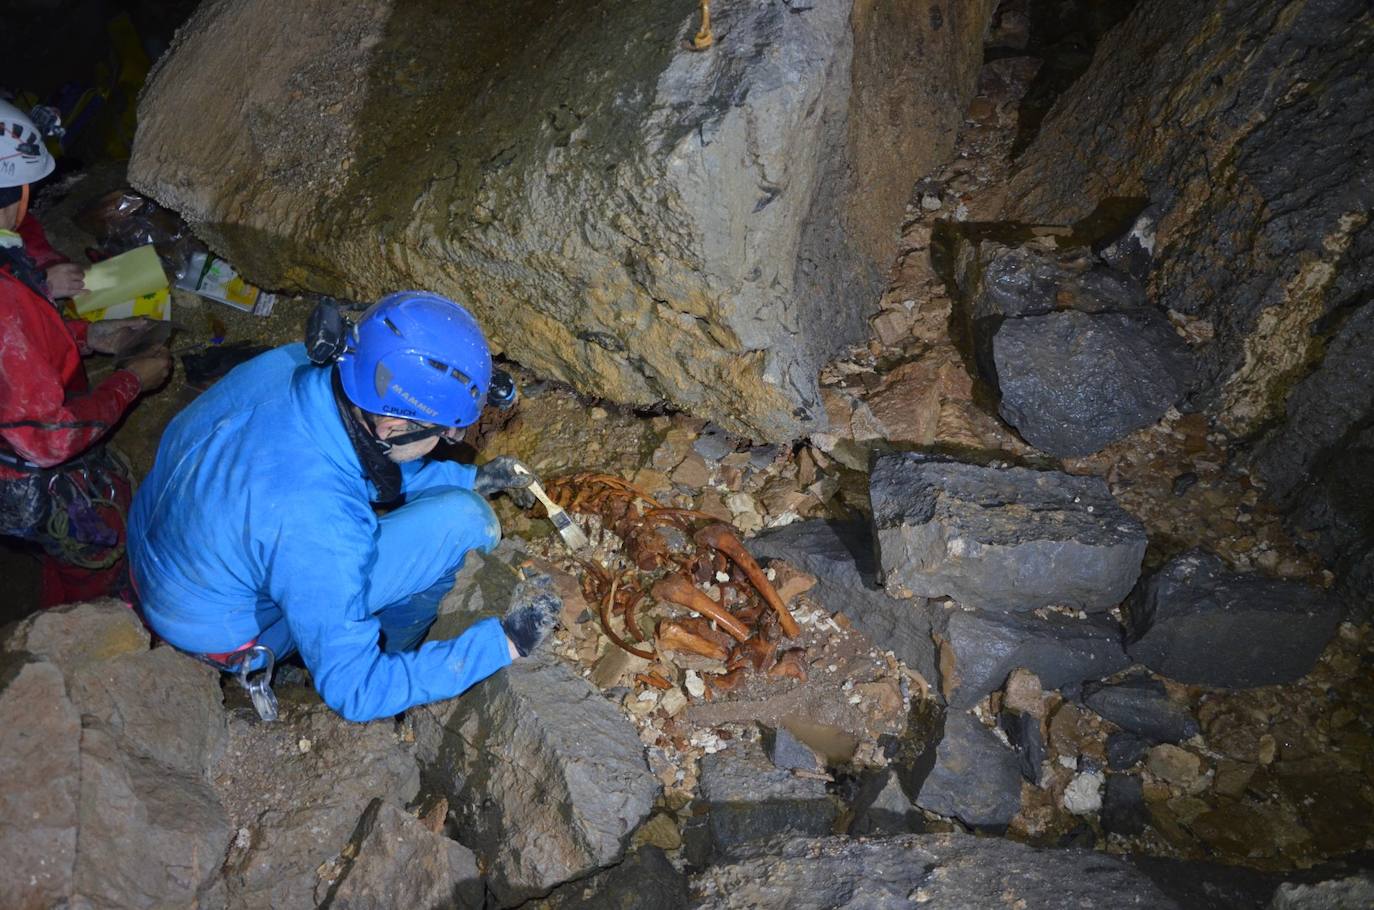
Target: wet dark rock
1196 622
644 879
1183 483
1142 706
621 212
1126 750
841 557
949 871
975 778
1002 539
398 862
1123 805
1072 383
1316 464
788 753
746 798
546 778
1026 737
881 808
981 648
1270 266
1076 353
107 751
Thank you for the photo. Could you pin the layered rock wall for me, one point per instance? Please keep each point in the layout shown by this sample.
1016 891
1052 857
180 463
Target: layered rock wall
644 221
1246 126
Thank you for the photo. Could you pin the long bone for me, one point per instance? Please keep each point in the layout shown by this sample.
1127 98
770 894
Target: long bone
678 590
672 637
720 538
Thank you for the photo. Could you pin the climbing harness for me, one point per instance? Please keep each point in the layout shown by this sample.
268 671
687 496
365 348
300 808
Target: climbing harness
74 510
257 683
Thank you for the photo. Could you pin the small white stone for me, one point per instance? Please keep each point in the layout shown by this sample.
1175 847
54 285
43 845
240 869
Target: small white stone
855 699
695 686
722 577
772 573
304 745
1083 795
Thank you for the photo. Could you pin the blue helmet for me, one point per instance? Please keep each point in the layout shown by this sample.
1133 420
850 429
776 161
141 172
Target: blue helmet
420 356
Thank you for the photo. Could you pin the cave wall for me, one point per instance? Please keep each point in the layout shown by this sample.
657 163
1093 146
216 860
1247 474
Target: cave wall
643 221
1246 126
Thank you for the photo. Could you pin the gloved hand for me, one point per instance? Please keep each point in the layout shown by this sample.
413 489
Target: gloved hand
500 474
533 612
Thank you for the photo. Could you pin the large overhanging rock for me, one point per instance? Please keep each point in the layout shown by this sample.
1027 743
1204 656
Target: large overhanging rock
644 221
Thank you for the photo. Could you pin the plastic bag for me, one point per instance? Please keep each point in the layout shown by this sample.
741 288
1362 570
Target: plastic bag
123 220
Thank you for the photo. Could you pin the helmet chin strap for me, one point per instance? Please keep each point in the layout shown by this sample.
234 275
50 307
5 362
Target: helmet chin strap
404 439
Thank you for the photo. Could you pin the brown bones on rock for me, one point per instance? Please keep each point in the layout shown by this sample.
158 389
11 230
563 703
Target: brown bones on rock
721 538
790 663
679 590
673 637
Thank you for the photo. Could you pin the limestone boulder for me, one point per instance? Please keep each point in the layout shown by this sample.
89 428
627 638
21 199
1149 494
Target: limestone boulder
975 778
622 212
1283 92
546 778
1078 356
980 648
398 862
107 798
1142 706
746 797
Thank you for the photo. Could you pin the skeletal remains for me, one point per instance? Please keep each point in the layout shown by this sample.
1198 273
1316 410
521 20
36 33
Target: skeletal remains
671 559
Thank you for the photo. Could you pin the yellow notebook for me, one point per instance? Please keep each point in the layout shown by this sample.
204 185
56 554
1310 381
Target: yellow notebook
127 276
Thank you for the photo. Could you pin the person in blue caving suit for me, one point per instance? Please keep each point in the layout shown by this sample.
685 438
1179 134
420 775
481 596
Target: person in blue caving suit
291 509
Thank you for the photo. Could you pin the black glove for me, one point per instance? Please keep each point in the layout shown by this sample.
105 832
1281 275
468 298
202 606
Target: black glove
500 474
533 612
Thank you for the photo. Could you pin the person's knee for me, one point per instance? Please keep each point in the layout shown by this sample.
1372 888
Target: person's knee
466 520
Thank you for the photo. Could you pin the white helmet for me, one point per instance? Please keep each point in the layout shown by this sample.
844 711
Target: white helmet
23 156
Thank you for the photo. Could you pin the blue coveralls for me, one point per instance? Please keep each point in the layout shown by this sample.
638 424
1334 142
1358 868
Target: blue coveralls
255 522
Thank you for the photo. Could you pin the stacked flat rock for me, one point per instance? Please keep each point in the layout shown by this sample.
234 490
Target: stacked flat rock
980 648
1076 352
1143 707
1002 539
1198 623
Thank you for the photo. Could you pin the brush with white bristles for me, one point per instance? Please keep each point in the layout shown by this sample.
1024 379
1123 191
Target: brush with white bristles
572 535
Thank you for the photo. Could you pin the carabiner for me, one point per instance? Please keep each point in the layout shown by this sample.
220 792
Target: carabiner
258 683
